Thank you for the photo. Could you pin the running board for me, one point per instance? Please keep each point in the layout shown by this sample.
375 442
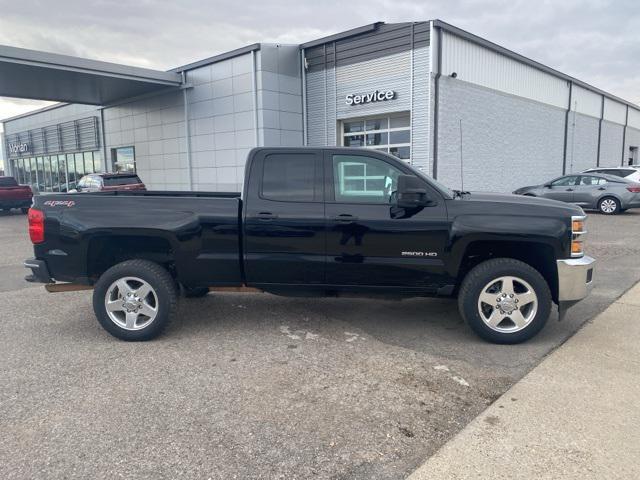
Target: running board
66 287
242 289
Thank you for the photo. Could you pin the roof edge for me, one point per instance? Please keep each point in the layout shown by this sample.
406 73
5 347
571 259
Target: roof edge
339 36
217 58
32 112
528 61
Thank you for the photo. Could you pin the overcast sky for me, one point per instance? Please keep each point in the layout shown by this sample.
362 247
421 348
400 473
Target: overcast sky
597 41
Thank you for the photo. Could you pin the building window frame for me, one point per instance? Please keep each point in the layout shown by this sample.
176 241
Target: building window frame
116 161
385 132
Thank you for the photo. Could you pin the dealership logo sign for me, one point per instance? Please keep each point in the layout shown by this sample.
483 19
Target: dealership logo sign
18 147
377 96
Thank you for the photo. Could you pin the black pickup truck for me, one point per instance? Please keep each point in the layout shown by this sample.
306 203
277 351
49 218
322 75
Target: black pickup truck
315 221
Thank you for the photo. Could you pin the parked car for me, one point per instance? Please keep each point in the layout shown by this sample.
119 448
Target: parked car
104 182
608 194
316 222
631 172
13 195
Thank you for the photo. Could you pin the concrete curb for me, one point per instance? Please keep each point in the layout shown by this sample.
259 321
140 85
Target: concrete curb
574 416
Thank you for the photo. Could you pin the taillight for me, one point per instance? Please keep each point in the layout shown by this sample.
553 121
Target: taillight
634 188
36 225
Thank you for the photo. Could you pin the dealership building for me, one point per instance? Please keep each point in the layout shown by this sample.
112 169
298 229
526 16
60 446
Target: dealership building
466 111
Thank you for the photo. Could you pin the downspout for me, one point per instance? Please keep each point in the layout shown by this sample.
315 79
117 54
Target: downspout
107 161
600 131
303 64
254 91
187 130
436 101
624 134
566 129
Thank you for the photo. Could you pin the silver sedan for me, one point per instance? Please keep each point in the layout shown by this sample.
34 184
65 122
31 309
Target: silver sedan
606 193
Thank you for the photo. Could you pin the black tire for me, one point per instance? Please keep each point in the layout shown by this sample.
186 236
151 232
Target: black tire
482 275
196 292
164 288
606 201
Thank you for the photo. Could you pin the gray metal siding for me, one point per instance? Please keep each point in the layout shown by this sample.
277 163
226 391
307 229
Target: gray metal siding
421 112
392 72
279 96
386 39
582 142
327 89
508 141
611 144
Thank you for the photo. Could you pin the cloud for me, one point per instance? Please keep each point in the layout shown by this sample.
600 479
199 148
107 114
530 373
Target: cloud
594 40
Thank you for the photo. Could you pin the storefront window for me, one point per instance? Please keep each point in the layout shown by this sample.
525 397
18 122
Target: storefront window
123 159
389 133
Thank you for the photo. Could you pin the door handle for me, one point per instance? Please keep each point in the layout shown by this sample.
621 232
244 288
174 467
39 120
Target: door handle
602 188
266 216
569 190
345 217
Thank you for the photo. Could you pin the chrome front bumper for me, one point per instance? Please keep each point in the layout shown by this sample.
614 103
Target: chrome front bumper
575 278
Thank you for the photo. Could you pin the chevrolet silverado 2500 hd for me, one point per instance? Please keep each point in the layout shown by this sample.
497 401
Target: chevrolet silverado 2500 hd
316 221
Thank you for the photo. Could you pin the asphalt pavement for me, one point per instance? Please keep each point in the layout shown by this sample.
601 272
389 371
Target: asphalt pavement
254 385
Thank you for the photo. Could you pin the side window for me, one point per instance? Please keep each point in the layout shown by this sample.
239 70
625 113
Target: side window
360 179
291 177
587 181
565 181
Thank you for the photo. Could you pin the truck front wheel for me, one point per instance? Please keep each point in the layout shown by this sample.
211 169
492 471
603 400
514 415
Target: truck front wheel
135 300
505 301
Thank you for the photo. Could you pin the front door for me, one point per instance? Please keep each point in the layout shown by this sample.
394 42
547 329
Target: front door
562 189
372 243
284 226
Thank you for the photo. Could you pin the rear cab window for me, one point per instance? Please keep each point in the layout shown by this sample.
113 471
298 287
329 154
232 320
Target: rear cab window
8 182
121 180
291 177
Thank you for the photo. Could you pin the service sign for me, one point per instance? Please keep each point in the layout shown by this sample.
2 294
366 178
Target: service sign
377 96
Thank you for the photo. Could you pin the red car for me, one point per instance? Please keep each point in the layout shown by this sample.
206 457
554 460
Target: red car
105 182
13 195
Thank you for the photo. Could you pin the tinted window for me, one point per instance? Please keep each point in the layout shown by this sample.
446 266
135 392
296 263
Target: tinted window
8 182
588 181
121 180
290 177
360 179
565 181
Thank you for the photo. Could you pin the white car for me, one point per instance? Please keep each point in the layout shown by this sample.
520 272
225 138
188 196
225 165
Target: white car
631 172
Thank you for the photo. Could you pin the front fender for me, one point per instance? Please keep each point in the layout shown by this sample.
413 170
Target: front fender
468 229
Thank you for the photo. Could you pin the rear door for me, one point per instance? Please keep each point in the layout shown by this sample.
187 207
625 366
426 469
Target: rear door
562 189
371 243
284 225
588 190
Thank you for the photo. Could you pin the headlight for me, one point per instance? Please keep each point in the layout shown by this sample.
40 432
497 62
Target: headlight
577 235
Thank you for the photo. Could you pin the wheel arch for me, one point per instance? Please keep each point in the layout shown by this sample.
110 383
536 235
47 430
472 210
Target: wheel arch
538 255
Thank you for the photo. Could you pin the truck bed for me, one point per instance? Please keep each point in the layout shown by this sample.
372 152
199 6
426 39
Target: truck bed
198 231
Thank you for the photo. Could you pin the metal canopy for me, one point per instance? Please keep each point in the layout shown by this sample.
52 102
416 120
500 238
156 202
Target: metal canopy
62 78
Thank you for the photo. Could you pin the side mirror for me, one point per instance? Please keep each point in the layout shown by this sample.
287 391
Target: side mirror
411 192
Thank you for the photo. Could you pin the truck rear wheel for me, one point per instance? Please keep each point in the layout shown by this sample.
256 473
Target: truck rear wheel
505 301
135 300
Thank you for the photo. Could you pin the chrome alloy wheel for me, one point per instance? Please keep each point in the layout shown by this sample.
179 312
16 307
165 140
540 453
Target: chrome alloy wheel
507 304
608 205
131 303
